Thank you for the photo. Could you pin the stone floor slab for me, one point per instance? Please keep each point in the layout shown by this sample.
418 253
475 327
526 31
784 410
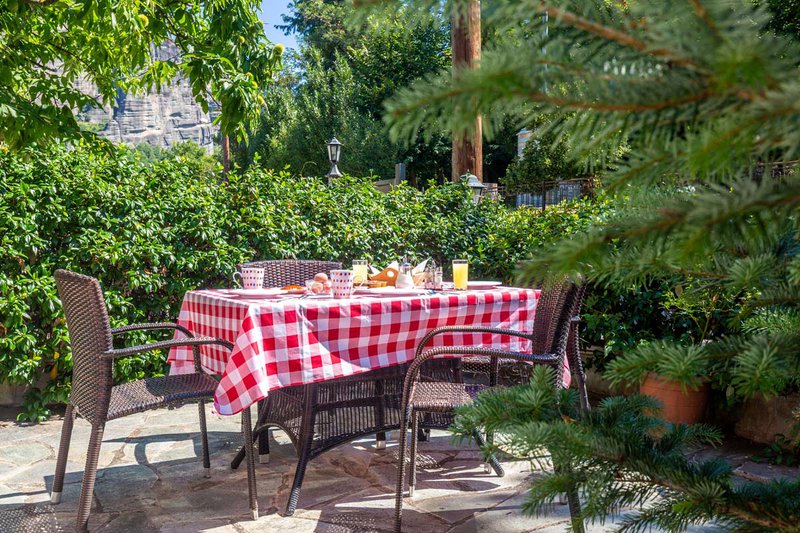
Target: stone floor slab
151 479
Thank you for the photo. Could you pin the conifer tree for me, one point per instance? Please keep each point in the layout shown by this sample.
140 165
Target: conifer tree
707 95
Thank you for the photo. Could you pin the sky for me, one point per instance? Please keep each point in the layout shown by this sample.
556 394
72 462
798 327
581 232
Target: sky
271 11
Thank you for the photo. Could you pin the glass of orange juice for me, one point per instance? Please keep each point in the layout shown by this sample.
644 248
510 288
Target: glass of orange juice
460 274
360 271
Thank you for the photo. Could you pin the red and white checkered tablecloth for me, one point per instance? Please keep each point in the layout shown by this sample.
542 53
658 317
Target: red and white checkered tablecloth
300 341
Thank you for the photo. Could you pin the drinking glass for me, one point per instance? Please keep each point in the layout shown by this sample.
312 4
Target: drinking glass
360 271
460 274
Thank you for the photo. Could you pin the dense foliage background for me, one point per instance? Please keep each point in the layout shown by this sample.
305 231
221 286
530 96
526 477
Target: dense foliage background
151 230
62 58
337 82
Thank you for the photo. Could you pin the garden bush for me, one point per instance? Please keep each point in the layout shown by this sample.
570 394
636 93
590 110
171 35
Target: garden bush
618 320
150 232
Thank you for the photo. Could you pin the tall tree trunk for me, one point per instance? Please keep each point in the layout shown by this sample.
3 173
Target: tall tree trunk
465 36
226 155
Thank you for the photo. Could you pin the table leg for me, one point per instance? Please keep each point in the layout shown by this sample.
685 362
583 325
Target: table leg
247 434
263 436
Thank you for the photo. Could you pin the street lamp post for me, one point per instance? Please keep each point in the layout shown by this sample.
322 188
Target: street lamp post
334 152
474 185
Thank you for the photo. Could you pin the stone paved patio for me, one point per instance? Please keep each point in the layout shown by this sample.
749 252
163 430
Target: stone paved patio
151 480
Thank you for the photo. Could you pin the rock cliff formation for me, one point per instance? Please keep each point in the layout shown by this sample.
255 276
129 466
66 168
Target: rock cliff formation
160 119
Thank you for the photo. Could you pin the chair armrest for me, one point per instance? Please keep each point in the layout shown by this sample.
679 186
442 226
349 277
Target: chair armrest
153 325
468 329
414 368
545 358
194 341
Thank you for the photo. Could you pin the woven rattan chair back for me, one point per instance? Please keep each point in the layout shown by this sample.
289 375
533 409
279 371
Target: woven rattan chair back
551 327
90 336
556 299
282 272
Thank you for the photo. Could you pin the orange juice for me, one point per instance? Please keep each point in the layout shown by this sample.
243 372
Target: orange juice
460 274
360 271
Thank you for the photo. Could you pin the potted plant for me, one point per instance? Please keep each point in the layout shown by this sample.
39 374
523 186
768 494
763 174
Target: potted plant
663 371
679 403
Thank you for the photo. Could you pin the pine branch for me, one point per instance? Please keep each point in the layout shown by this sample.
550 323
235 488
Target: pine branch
622 455
703 14
615 35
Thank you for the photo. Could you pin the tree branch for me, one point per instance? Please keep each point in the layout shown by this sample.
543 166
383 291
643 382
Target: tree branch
755 515
608 107
702 13
614 35
40 3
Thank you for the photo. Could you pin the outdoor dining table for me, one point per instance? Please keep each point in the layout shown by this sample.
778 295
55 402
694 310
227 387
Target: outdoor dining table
290 343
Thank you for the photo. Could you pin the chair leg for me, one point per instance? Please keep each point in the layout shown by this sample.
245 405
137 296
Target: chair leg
263 446
424 435
310 395
89 476
401 472
247 434
262 413
299 474
201 408
380 415
492 463
412 480
238 458
63 452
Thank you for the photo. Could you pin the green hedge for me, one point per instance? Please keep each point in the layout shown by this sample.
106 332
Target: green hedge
152 232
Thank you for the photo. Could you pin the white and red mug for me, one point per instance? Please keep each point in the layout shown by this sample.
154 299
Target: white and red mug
342 283
250 278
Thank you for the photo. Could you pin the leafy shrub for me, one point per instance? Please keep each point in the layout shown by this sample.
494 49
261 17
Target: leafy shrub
152 232
618 321
543 159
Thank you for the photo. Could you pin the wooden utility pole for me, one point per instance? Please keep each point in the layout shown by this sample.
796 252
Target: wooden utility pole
465 40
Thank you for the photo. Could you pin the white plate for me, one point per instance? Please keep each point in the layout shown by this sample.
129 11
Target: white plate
483 285
363 291
390 292
256 293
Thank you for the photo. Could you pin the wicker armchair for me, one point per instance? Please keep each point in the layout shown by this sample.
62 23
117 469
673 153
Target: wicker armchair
281 272
95 397
553 328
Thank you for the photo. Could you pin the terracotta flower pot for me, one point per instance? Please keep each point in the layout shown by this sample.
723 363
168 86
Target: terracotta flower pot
678 407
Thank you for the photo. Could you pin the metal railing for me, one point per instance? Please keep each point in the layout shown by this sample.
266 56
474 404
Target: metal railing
554 192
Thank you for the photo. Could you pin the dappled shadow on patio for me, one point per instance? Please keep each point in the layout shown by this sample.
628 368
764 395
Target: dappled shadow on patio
151 479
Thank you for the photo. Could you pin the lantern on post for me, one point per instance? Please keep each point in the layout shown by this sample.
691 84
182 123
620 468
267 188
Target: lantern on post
474 185
334 152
